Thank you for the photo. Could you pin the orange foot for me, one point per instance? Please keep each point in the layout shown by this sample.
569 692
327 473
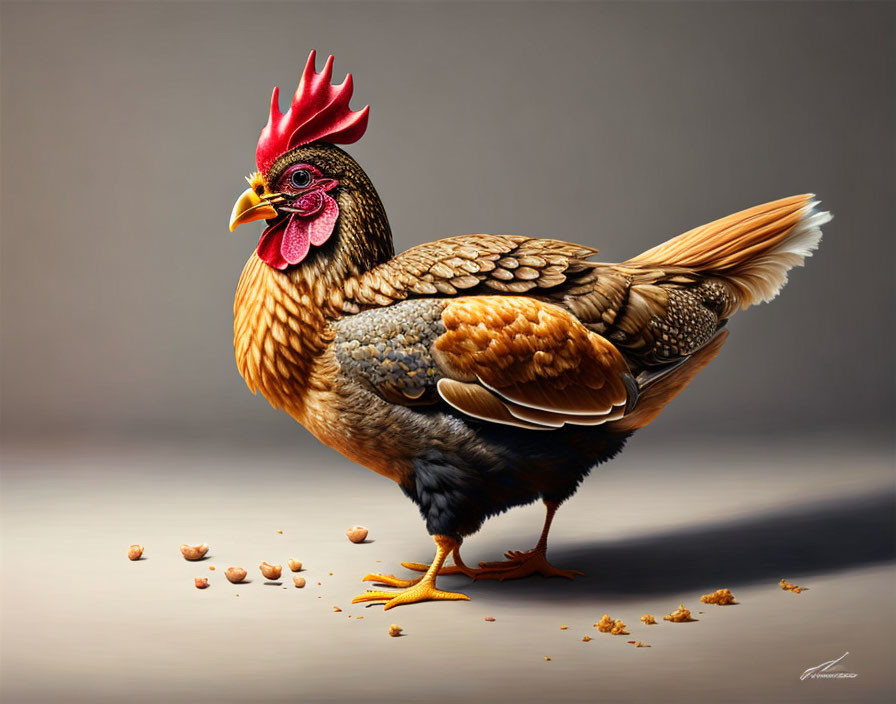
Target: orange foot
420 590
522 564
416 590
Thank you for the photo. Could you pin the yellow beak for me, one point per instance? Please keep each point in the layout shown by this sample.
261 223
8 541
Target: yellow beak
251 206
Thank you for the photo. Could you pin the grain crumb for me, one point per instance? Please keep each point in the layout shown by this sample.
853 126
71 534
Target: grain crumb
211 567
280 532
648 620
784 584
639 644
547 659
294 565
395 630
585 639
680 615
489 618
357 534
336 609
193 552
134 552
299 581
235 574
722 597
201 582
613 627
270 571
563 628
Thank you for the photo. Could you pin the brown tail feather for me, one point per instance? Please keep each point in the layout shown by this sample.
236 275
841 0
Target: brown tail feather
751 251
654 399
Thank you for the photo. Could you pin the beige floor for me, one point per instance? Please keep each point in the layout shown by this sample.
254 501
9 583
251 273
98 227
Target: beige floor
80 623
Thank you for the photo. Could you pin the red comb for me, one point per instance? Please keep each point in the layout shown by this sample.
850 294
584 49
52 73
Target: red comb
319 110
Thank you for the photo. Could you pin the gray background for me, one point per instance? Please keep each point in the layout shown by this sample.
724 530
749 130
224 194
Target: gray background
126 132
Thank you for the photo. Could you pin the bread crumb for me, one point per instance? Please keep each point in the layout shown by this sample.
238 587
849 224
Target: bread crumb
648 620
336 609
299 581
608 625
547 659
395 630
618 629
280 532
359 618
680 615
489 618
563 628
194 552
270 571
200 582
784 584
357 534
639 644
212 568
722 597
235 574
585 639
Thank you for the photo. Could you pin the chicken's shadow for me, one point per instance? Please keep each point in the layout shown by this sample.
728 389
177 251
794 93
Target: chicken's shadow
810 538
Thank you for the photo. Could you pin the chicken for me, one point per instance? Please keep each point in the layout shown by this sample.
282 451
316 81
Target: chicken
478 372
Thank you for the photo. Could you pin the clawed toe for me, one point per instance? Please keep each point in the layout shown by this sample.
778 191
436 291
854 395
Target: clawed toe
373 595
522 564
415 594
390 579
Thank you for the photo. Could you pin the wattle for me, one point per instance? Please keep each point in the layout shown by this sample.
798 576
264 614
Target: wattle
288 241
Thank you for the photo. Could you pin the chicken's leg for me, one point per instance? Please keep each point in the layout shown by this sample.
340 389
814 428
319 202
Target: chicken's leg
459 567
422 589
523 564
518 564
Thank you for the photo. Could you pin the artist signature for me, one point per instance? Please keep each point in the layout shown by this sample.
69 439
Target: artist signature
821 671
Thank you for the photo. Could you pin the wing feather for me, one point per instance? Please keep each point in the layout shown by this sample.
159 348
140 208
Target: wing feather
520 360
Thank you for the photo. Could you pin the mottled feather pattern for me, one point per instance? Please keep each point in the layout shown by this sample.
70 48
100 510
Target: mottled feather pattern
460 265
626 304
390 349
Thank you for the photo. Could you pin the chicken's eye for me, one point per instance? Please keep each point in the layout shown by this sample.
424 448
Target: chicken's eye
301 178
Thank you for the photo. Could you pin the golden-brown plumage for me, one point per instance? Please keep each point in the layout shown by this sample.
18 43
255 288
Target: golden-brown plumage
435 367
541 363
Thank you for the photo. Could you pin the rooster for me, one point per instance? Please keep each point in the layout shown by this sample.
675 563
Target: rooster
478 372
